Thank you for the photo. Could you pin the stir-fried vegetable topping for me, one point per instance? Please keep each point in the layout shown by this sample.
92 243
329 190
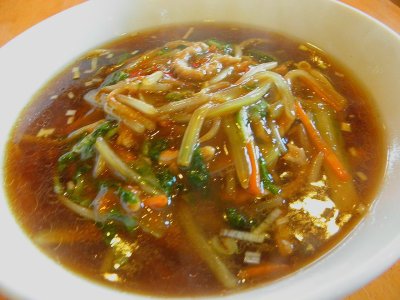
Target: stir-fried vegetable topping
84 148
219 121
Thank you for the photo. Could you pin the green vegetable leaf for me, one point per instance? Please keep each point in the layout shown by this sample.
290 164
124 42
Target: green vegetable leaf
197 173
80 180
167 180
114 78
227 48
84 147
156 146
237 220
144 168
130 222
260 55
65 159
266 177
127 196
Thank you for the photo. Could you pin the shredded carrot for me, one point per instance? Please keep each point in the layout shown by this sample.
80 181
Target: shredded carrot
261 270
254 182
322 93
158 201
330 156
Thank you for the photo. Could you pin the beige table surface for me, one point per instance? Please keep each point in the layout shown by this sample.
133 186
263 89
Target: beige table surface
18 15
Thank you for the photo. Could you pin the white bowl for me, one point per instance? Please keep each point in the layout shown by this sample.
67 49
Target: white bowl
366 47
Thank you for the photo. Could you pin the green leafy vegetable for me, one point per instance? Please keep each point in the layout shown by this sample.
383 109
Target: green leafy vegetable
237 220
114 78
167 180
148 173
266 177
80 180
227 48
155 147
85 147
130 222
197 173
260 55
65 159
127 196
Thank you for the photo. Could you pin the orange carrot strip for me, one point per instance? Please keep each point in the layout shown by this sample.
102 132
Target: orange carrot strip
157 201
254 180
261 270
320 92
330 156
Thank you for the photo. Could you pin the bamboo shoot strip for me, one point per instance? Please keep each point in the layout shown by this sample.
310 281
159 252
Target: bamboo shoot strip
203 249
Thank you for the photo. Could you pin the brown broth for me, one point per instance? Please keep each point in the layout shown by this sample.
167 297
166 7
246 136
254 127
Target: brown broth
167 266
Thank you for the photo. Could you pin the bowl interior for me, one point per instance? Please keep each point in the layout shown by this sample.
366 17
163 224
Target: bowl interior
367 48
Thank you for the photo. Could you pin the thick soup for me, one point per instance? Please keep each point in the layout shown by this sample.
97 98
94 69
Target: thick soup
194 160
